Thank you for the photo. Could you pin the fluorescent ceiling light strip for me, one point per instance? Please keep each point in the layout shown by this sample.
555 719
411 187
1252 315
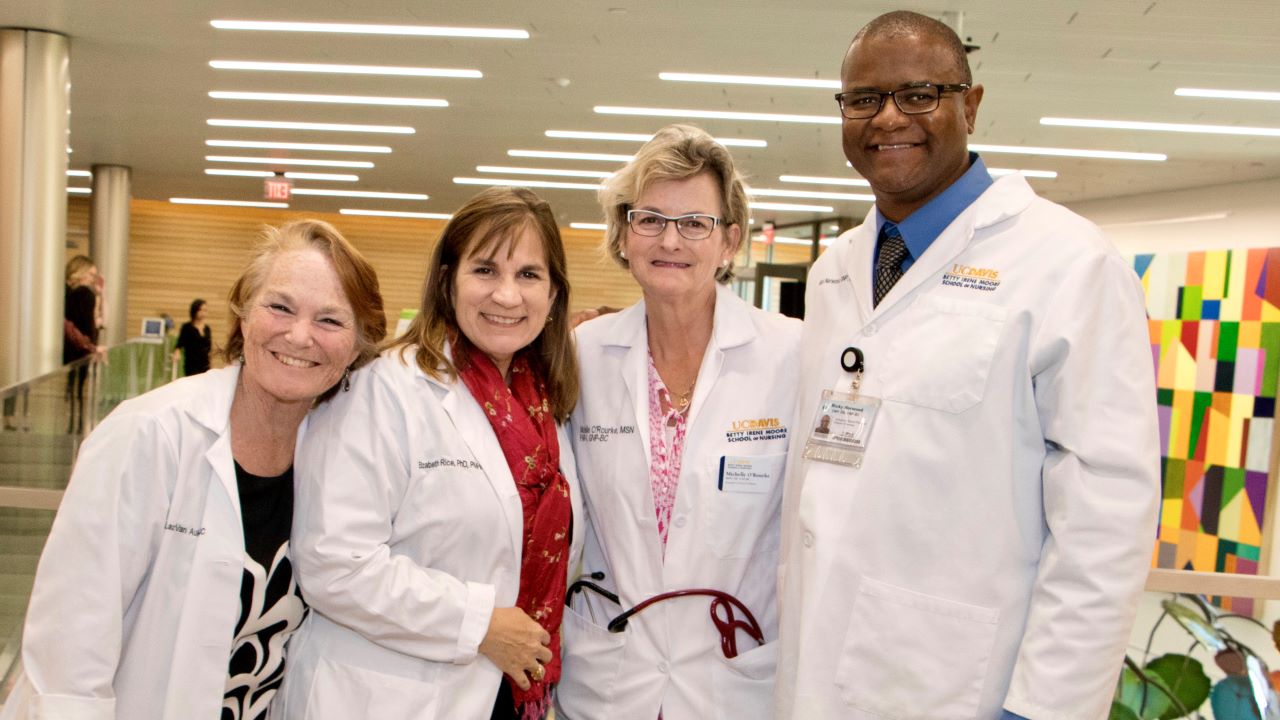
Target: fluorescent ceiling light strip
542 171
239 173
1069 152
814 180
557 155
589 226
79 173
643 137
363 29
516 182
1173 220
717 115
336 177
1161 127
1228 94
395 213
785 240
750 80
290 161
297 146
328 127
327 192
343 69
79 191
789 206
233 203
816 195
336 99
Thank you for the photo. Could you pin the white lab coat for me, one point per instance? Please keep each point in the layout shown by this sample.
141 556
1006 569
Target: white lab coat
408 532
669 656
990 550
138 591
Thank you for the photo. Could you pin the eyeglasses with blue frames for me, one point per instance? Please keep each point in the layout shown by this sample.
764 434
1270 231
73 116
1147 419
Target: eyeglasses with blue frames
693 226
722 603
915 99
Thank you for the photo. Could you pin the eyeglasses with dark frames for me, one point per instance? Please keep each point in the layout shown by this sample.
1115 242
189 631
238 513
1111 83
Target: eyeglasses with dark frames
916 99
693 226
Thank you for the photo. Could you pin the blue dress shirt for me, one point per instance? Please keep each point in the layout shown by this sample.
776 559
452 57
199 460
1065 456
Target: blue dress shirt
1006 715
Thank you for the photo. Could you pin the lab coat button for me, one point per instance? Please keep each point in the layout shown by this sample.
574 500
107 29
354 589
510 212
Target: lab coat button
808 539
679 521
869 330
663 667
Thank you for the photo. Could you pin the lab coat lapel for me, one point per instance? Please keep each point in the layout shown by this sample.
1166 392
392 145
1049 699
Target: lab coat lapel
629 333
215 416
858 248
731 327
476 432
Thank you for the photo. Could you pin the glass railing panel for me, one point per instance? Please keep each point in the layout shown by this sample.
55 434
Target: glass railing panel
22 535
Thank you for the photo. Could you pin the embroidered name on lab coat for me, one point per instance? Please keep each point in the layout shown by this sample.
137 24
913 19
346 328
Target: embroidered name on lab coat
445 462
603 433
972 278
183 529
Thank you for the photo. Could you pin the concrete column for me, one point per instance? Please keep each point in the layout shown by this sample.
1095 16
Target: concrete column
109 246
34 89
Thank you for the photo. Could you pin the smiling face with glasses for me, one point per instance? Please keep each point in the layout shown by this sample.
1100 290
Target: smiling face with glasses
675 241
913 148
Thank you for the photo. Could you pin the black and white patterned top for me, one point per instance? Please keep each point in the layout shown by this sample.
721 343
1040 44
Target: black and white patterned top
271 607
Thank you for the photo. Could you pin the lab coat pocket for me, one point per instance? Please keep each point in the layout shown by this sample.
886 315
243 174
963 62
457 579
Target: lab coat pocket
744 502
912 656
942 353
743 686
340 691
591 660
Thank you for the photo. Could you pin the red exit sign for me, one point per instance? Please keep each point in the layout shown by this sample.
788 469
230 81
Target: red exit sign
277 188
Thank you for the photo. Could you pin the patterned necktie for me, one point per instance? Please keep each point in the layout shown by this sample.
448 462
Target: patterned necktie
889 265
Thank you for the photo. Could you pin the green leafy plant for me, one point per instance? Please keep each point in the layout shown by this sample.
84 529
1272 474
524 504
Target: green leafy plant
1175 685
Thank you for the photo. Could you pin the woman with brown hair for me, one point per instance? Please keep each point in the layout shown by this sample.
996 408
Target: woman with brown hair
438 497
165 589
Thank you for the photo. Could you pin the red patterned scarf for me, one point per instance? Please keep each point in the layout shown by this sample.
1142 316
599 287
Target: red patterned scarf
521 418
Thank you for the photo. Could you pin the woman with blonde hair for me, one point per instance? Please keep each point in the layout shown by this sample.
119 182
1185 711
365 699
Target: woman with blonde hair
680 437
165 589
435 525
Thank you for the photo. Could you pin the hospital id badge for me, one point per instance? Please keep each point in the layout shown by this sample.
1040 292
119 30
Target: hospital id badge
841 428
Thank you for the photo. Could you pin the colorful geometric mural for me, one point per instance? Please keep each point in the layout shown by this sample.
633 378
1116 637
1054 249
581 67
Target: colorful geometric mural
1215 340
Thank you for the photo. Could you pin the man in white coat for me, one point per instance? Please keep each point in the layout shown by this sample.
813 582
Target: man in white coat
982 555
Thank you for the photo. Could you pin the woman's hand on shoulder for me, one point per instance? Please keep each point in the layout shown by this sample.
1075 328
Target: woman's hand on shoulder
517 644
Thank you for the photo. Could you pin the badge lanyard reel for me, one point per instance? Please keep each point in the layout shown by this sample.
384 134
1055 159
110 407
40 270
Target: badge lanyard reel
842 425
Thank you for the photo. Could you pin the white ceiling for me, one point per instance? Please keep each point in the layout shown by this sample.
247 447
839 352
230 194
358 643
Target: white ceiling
140 78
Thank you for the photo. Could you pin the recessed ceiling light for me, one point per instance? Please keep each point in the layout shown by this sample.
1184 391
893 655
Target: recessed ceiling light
239 173
517 182
643 137
589 226
750 80
361 29
338 99
1069 152
289 161
396 213
816 195
337 177
1228 94
79 173
343 69
328 127
717 115
79 191
297 146
233 203
1161 126
569 155
543 171
359 193
790 206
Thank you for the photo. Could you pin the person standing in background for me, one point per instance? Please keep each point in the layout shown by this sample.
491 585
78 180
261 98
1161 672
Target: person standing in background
195 341
971 539
80 332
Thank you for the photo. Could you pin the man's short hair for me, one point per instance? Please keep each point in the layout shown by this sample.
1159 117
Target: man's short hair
902 23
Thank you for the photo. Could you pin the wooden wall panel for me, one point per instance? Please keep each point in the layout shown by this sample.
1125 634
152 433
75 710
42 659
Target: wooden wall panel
181 252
